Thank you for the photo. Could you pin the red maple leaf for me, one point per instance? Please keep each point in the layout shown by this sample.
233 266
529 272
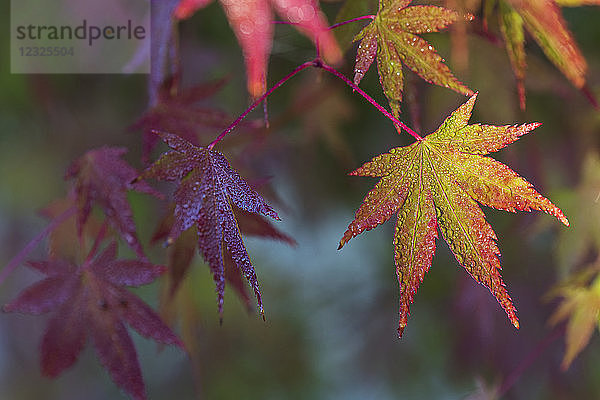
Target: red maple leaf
90 301
252 22
103 178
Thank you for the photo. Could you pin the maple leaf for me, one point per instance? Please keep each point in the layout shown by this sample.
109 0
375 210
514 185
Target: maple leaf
208 188
437 182
543 19
252 23
90 301
186 8
577 3
102 177
392 38
184 247
61 239
581 307
583 207
180 111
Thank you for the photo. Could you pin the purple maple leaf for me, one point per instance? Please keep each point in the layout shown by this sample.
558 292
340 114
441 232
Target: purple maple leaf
208 189
90 301
102 177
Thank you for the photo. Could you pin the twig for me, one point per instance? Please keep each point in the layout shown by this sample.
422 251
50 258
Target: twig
351 20
257 102
316 63
529 359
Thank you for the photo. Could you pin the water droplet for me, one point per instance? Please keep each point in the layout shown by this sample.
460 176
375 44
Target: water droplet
247 27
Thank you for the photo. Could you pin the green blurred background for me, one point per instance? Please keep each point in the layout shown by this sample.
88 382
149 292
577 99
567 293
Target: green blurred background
331 315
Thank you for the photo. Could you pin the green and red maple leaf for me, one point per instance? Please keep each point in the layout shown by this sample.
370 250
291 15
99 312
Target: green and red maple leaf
90 301
437 182
393 38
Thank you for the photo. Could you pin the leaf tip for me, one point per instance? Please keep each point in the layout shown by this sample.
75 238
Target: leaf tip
590 96
567 361
161 269
401 330
276 217
522 97
343 241
256 87
557 212
179 343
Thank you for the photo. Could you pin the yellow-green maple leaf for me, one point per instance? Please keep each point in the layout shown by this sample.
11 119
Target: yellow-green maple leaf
438 181
392 38
583 206
581 307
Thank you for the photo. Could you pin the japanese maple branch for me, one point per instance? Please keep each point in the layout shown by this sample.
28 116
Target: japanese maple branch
318 47
19 258
331 70
258 101
330 27
529 359
317 63
351 20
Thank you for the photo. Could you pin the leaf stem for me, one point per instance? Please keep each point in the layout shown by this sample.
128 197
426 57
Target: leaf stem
258 101
363 17
18 259
316 63
371 17
385 112
529 359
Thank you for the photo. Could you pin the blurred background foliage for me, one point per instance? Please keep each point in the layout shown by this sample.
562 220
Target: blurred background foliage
331 316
